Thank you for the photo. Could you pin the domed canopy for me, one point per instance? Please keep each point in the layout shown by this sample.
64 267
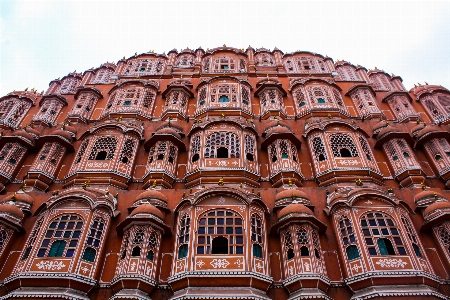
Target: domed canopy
168 130
60 136
31 130
288 196
166 134
379 125
11 209
436 213
296 212
19 136
20 197
147 209
426 198
154 197
390 132
70 129
279 132
431 132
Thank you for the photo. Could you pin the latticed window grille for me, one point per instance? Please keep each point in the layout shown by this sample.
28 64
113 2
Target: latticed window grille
348 73
12 111
102 76
250 147
202 97
305 64
32 238
348 236
432 108
288 245
227 140
130 99
48 158
49 111
401 107
144 67
320 153
444 101
81 151
439 151
264 60
381 82
257 235
294 153
316 243
127 151
61 237
162 155
366 149
299 97
303 241
381 235
139 241
85 105
103 149
69 85
5 236
342 145
337 96
220 224
183 236
245 94
319 95
10 155
94 239
185 60
443 234
224 64
411 235
224 93
195 148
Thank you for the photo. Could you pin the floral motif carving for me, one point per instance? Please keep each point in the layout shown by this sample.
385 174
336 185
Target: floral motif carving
219 263
50 265
391 263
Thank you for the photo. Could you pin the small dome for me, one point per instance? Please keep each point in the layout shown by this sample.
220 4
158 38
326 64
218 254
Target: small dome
32 131
70 129
12 210
428 129
278 129
388 129
417 128
148 209
24 134
22 197
291 193
168 130
172 125
380 125
294 209
436 206
152 194
63 133
426 194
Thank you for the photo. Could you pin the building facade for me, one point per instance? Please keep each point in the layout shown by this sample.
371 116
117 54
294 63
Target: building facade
225 174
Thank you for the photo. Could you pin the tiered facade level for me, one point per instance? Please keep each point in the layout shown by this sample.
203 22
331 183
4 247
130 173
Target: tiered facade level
225 174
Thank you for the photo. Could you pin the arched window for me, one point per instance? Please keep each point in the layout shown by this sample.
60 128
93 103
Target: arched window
220 223
61 237
195 148
32 238
257 235
183 236
381 234
319 149
348 238
224 98
411 235
152 245
224 64
288 246
94 239
343 146
219 245
221 140
303 241
103 149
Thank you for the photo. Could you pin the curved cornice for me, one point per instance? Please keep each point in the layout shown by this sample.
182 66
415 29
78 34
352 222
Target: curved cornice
209 80
110 124
320 124
217 120
303 81
93 90
145 83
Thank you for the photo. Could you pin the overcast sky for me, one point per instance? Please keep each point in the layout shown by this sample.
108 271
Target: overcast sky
44 40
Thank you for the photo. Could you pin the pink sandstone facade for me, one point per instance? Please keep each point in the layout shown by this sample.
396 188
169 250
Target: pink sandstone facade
225 174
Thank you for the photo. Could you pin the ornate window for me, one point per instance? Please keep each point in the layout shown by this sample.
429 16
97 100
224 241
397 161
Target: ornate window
347 73
84 106
222 145
224 64
400 155
103 149
257 236
131 99
94 239
249 148
102 76
343 146
442 233
10 157
411 235
144 67
185 61
220 232
401 107
12 111
61 237
264 60
381 235
305 64
439 152
49 111
69 85
127 152
32 238
320 154
162 155
195 148
288 245
365 103
348 238
366 149
381 82
81 151
183 236
48 158
5 235
437 106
